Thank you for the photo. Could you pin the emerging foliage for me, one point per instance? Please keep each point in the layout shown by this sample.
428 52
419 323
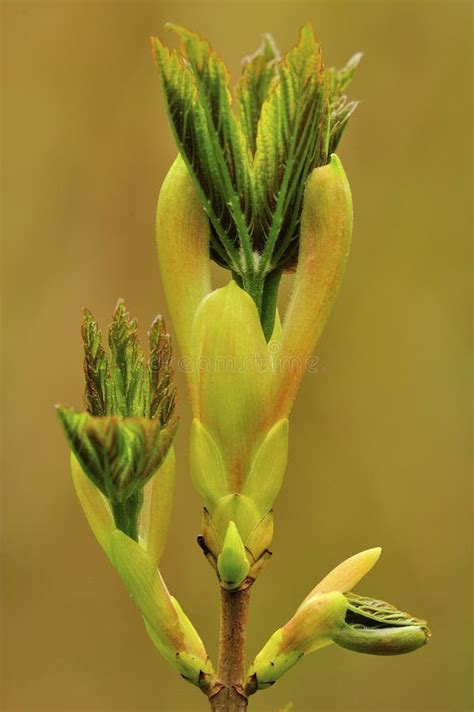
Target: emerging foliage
378 628
124 383
366 612
129 425
119 455
250 167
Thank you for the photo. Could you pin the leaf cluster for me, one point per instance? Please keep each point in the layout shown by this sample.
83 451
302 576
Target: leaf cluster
250 166
124 382
119 455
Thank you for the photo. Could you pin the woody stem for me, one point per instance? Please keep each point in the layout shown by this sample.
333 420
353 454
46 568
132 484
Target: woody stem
228 694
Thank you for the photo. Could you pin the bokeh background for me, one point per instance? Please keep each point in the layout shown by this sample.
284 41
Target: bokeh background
380 439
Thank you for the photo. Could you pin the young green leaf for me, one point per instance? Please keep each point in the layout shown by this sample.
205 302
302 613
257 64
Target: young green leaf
118 454
250 167
162 388
260 71
127 364
378 628
96 367
128 428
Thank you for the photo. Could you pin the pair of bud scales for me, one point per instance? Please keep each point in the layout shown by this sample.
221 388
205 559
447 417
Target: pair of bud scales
261 192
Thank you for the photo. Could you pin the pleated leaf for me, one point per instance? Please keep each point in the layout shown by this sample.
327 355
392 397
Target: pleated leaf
340 109
118 455
127 364
199 107
375 627
289 142
363 611
96 367
260 71
250 167
124 383
162 388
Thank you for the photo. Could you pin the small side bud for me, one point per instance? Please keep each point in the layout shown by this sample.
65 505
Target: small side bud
232 563
255 531
326 616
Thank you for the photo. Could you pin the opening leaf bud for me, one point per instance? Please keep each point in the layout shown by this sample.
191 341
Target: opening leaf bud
125 434
250 167
378 628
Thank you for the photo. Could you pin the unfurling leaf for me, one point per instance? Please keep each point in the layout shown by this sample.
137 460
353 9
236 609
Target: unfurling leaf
96 367
370 612
378 628
259 73
118 454
250 167
331 614
124 383
162 389
128 429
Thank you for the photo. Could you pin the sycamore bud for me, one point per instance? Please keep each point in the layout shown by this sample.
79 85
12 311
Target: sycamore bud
331 613
127 431
169 628
221 199
242 387
123 469
255 530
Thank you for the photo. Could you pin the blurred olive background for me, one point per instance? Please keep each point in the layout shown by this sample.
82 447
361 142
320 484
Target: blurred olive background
380 440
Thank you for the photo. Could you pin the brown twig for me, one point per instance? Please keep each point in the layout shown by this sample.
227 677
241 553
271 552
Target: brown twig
228 693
